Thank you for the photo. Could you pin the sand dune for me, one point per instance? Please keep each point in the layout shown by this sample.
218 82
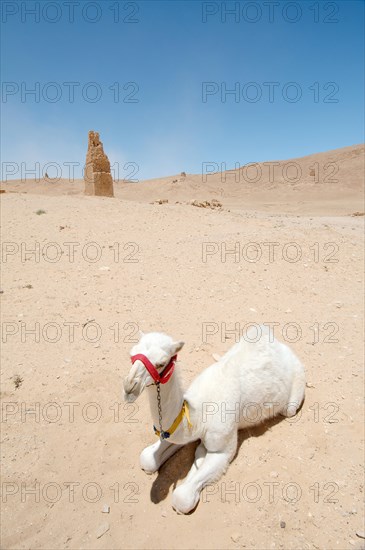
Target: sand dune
324 183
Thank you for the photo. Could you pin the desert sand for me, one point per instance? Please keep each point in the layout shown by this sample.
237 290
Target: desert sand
104 268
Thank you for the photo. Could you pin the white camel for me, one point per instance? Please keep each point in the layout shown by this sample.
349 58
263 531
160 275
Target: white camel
259 377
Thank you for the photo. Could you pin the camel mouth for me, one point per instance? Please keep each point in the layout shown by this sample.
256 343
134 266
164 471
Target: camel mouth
130 397
132 390
130 393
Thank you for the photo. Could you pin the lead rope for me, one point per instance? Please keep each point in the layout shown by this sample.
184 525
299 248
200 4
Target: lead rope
159 409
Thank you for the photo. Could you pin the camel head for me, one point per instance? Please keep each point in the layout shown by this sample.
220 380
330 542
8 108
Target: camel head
152 360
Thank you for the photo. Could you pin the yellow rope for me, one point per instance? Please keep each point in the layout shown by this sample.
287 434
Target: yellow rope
184 412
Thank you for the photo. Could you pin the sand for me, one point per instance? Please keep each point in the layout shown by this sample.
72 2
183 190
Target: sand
295 483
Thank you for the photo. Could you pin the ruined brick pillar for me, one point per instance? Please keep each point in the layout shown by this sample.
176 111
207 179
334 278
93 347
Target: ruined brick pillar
97 176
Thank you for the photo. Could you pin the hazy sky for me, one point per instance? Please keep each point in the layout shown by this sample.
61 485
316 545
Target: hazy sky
152 78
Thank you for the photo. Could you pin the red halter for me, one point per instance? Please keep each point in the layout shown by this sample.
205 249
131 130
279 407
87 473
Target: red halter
158 378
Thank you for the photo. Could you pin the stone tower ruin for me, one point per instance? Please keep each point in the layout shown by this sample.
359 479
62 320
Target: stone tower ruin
97 176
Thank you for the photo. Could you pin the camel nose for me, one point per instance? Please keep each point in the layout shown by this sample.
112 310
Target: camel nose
131 389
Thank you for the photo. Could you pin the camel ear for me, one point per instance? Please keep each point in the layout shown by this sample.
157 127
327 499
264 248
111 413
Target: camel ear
176 346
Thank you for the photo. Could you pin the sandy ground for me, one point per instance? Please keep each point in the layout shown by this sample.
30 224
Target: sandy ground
69 443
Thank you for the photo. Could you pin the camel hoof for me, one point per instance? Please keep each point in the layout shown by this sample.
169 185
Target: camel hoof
148 462
184 500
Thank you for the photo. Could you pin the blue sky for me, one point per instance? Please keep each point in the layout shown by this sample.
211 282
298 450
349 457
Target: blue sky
168 50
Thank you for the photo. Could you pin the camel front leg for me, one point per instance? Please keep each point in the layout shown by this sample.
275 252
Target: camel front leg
153 456
186 496
200 454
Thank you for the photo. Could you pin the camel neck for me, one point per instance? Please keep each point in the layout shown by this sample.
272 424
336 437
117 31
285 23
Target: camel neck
172 397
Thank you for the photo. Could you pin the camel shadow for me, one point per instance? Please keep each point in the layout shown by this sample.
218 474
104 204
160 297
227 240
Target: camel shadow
256 431
177 467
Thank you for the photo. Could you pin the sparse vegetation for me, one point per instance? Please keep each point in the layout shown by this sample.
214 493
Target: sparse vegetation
40 211
18 380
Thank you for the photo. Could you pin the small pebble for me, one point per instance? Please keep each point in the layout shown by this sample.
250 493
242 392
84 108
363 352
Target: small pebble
235 537
282 524
106 509
310 385
274 474
360 534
